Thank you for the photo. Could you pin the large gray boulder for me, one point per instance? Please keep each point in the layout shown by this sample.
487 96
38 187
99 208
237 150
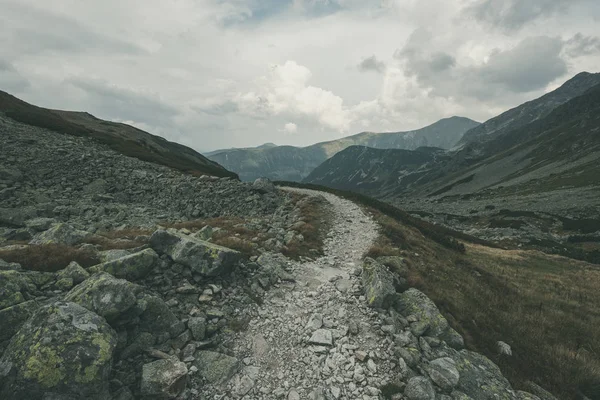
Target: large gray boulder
61 234
443 373
131 267
105 295
419 388
415 303
202 257
378 284
75 272
13 285
163 379
480 378
63 349
216 367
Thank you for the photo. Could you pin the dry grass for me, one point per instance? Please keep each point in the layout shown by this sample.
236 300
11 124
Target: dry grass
546 307
314 212
119 239
49 257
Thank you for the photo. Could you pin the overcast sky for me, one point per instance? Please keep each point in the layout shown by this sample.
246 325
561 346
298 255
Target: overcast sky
232 73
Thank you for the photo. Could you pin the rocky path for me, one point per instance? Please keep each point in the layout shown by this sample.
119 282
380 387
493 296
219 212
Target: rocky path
315 338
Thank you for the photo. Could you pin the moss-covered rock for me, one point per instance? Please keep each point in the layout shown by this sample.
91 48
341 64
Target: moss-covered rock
216 367
378 284
202 257
12 286
62 234
63 349
480 378
12 318
164 379
105 295
130 267
429 319
75 272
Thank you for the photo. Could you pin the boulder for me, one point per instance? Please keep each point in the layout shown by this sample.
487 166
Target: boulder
202 257
419 388
164 379
16 217
75 272
157 318
40 224
504 349
216 367
12 287
322 337
416 303
61 233
105 295
111 255
12 318
272 269
131 267
480 378
443 373
378 284
263 185
63 349
198 327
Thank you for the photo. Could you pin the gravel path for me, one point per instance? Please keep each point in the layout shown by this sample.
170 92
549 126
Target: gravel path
315 338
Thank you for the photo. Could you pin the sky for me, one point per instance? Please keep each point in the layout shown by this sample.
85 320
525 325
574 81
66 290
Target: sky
217 74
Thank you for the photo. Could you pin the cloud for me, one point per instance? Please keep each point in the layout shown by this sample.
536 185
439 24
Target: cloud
124 104
10 79
580 45
371 64
290 128
33 30
286 91
513 15
529 65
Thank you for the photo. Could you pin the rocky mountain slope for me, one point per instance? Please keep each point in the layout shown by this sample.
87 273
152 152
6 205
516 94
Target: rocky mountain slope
294 163
547 170
123 138
179 316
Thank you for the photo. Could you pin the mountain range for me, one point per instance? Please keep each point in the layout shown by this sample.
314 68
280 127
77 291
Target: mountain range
295 163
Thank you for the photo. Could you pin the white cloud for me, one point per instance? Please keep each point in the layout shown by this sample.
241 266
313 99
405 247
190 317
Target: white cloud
290 128
214 73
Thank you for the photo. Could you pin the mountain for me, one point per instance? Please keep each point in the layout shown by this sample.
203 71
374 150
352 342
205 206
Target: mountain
295 163
365 169
123 138
532 110
536 184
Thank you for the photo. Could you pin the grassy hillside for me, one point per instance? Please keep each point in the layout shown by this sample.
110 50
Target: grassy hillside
123 138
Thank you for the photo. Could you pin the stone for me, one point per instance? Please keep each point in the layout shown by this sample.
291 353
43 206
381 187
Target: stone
198 327
75 272
40 224
131 267
157 318
164 379
242 385
419 388
64 349
105 295
205 233
415 303
315 322
216 367
293 395
14 317
263 185
521 395
61 234
202 257
12 287
480 378
504 349
443 373
378 284
322 337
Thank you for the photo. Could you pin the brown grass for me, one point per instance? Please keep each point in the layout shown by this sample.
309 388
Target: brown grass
49 257
121 239
314 213
546 307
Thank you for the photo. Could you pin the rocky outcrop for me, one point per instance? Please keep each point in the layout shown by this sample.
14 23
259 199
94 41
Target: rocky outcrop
202 257
378 283
64 349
